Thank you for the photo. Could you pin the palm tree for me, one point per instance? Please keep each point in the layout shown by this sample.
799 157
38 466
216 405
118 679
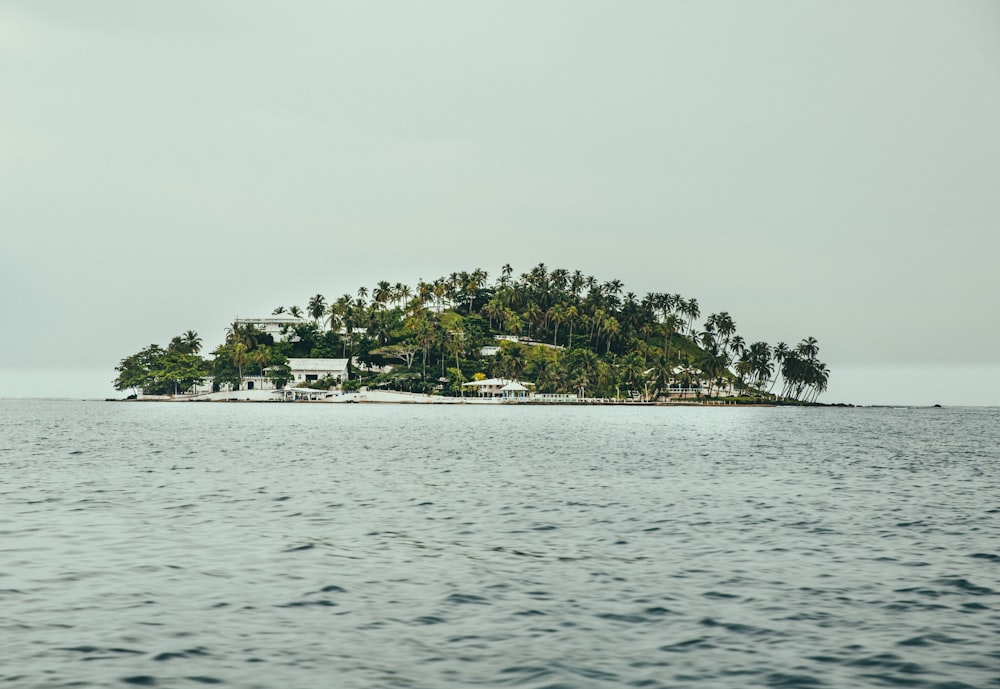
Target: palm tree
262 357
808 348
560 280
510 362
558 315
737 345
796 371
725 327
571 315
662 375
247 335
192 341
758 357
820 377
494 310
440 289
633 372
779 353
532 315
713 363
612 328
455 343
334 314
403 292
671 324
744 369
691 310
646 330
576 283
475 283
582 370
317 307
240 358
549 374
514 322
382 294
423 329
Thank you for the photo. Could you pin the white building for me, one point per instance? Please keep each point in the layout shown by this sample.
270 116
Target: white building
279 327
308 370
504 388
303 371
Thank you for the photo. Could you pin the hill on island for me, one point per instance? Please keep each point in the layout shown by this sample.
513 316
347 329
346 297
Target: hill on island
558 331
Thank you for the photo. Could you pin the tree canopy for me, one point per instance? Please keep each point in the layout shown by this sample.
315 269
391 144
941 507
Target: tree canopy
562 330
158 371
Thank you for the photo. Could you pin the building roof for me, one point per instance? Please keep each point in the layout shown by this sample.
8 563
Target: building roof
317 364
513 387
489 382
281 318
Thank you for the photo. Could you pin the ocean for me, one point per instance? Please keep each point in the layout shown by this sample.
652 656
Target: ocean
306 545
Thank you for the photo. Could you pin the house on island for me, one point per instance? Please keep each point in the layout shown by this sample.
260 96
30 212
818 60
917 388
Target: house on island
497 388
309 370
303 371
278 326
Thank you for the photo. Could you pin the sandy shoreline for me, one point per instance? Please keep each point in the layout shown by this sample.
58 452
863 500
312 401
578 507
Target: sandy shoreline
397 397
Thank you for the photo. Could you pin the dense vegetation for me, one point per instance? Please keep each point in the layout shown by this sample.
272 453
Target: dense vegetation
159 371
567 333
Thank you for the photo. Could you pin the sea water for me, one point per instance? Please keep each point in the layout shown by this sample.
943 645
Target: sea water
307 545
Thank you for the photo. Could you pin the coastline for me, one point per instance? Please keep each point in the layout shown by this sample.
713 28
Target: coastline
399 397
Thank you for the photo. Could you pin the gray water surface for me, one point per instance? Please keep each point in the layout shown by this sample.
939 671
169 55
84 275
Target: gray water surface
270 545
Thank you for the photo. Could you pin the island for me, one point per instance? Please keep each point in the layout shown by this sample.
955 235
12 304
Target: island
546 336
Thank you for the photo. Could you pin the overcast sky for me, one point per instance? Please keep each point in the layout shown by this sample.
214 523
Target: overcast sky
826 169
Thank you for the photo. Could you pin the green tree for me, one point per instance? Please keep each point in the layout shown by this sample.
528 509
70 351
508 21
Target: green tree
135 372
230 360
280 373
510 361
157 371
317 307
192 341
180 371
558 315
582 370
403 351
633 373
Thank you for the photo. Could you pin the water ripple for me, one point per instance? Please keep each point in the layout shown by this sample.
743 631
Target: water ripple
298 545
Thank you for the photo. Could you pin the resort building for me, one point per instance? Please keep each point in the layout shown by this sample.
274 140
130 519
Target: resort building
303 371
308 370
503 388
279 327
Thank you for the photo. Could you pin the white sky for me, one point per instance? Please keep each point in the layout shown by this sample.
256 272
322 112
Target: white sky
825 168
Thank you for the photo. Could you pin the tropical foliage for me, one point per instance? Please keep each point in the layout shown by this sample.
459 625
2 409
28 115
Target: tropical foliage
248 350
564 331
561 330
162 371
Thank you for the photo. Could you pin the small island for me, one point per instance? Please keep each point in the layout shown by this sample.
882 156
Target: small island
547 336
